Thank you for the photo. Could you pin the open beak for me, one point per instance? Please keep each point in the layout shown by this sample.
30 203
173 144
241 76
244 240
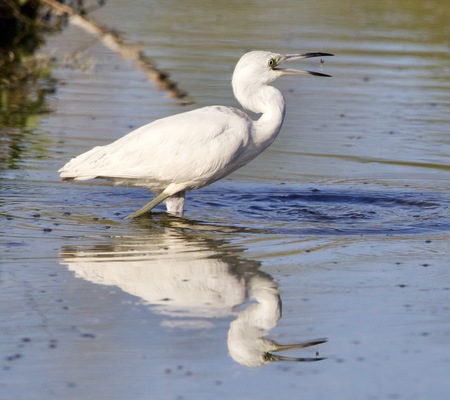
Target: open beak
293 57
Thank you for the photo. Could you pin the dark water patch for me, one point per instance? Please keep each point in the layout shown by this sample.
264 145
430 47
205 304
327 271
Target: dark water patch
236 206
300 210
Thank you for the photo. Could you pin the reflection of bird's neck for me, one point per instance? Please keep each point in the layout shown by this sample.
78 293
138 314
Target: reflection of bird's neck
265 100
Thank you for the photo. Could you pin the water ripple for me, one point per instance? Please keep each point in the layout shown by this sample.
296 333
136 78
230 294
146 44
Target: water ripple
331 210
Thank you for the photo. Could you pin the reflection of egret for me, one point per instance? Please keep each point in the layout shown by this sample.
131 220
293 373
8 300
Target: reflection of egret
193 149
190 279
182 277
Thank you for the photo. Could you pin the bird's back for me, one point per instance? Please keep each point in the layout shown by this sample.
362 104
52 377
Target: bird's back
196 147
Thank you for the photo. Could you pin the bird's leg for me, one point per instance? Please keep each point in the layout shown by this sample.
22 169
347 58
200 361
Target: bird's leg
158 199
175 203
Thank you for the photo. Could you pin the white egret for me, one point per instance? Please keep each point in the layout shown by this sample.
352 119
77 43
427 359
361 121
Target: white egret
193 149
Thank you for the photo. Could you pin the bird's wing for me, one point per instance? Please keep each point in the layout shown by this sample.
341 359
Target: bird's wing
195 145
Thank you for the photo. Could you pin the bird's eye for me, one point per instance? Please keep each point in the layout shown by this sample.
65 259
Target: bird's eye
272 63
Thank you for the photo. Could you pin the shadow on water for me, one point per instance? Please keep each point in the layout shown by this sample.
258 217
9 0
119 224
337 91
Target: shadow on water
25 81
25 78
190 281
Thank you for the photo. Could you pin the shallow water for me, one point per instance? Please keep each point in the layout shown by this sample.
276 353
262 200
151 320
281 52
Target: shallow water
343 224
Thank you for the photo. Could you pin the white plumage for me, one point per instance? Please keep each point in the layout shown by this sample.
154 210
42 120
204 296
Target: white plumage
193 149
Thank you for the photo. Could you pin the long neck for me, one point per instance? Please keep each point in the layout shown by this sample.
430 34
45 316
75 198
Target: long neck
269 102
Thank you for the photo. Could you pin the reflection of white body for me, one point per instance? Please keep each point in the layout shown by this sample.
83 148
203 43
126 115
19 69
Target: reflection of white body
192 288
190 282
177 277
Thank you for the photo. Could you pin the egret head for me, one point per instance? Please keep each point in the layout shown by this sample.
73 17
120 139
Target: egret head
259 68
264 66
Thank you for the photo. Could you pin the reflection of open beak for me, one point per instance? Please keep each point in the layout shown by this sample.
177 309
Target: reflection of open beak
269 357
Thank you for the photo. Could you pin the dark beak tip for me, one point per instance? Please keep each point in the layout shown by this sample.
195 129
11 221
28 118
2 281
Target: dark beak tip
319 74
317 54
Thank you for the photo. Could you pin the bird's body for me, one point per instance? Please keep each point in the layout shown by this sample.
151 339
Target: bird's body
193 149
141 157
